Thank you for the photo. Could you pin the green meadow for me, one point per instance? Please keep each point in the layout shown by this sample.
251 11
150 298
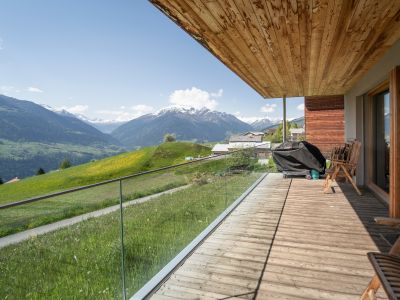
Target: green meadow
116 166
83 261
47 211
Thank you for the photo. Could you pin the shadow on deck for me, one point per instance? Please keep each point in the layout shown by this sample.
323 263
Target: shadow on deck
286 240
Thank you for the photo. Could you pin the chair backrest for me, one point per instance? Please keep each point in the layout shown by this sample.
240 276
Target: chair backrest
355 153
347 153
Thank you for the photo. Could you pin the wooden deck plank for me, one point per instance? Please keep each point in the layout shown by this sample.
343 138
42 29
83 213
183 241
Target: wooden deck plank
317 251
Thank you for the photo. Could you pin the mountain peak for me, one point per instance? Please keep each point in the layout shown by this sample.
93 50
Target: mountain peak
186 123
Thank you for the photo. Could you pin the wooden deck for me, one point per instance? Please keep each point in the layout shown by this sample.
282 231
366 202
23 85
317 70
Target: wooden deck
286 240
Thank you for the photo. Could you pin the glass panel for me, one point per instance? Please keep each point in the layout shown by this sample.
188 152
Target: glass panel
382 140
158 228
79 261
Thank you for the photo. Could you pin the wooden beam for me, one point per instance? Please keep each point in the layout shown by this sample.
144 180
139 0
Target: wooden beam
284 137
394 205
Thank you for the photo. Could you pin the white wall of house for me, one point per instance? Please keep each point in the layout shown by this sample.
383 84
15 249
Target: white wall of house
353 102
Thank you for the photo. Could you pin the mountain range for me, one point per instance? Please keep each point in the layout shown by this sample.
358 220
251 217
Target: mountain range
33 136
186 123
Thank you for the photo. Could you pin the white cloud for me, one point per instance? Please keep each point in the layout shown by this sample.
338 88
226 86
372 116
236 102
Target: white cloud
195 98
124 115
8 89
34 89
268 108
76 109
142 109
248 120
300 106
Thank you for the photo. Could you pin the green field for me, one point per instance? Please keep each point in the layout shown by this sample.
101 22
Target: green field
124 164
47 211
83 261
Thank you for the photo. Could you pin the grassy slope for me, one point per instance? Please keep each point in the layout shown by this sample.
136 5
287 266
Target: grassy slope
108 168
83 261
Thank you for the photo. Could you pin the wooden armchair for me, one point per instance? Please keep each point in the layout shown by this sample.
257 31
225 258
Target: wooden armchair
387 268
344 164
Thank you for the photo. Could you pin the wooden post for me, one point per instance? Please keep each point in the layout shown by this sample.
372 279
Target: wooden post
394 193
284 137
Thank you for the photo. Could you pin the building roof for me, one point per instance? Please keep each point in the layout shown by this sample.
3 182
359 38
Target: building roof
245 138
253 133
292 48
296 130
220 148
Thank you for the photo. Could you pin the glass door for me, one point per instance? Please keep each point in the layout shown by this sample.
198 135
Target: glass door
381 140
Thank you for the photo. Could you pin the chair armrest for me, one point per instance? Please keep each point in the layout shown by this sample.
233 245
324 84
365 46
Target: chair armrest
387 221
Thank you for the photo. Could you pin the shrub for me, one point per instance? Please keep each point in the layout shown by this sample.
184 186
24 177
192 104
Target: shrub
199 178
1 180
169 137
65 164
243 159
40 171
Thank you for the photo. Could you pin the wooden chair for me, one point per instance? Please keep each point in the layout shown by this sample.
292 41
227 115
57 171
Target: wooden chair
344 164
387 268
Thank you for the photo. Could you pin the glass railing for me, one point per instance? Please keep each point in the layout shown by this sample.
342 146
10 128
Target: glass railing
107 240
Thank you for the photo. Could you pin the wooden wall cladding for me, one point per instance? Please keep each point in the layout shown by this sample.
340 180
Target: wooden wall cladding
324 121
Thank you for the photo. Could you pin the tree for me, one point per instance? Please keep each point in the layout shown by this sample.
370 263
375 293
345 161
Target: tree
65 164
169 137
1 181
40 171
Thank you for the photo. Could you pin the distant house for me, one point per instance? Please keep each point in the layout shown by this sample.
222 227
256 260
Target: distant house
296 134
220 149
253 133
243 141
16 179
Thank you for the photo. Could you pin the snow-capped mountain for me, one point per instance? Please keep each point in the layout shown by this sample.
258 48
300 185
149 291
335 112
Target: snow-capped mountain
261 124
186 123
105 126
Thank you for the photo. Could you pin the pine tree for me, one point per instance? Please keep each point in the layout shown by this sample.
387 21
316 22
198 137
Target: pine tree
40 171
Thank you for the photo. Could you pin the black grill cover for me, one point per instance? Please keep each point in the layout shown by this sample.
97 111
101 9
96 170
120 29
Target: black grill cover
298 158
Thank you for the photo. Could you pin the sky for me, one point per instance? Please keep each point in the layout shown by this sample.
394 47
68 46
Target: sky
116 60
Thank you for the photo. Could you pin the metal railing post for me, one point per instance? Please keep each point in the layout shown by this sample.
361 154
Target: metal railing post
121 215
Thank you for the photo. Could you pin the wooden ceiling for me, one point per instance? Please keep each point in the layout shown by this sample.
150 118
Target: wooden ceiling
292 47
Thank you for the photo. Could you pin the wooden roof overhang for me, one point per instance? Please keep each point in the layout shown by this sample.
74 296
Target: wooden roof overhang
293 47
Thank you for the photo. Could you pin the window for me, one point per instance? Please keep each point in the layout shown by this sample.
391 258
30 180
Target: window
381 139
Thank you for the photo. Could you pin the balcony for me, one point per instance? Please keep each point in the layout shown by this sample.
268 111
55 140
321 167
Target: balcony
200 230
286 240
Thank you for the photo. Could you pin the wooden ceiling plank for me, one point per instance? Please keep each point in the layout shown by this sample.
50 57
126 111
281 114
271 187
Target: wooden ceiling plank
304 11
317 26
232 38
278 20
244 28
373 54
328 42
222 41
292 47
339 52
367 19
253 25
223 53
333 40
375 41
267 31
292 27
